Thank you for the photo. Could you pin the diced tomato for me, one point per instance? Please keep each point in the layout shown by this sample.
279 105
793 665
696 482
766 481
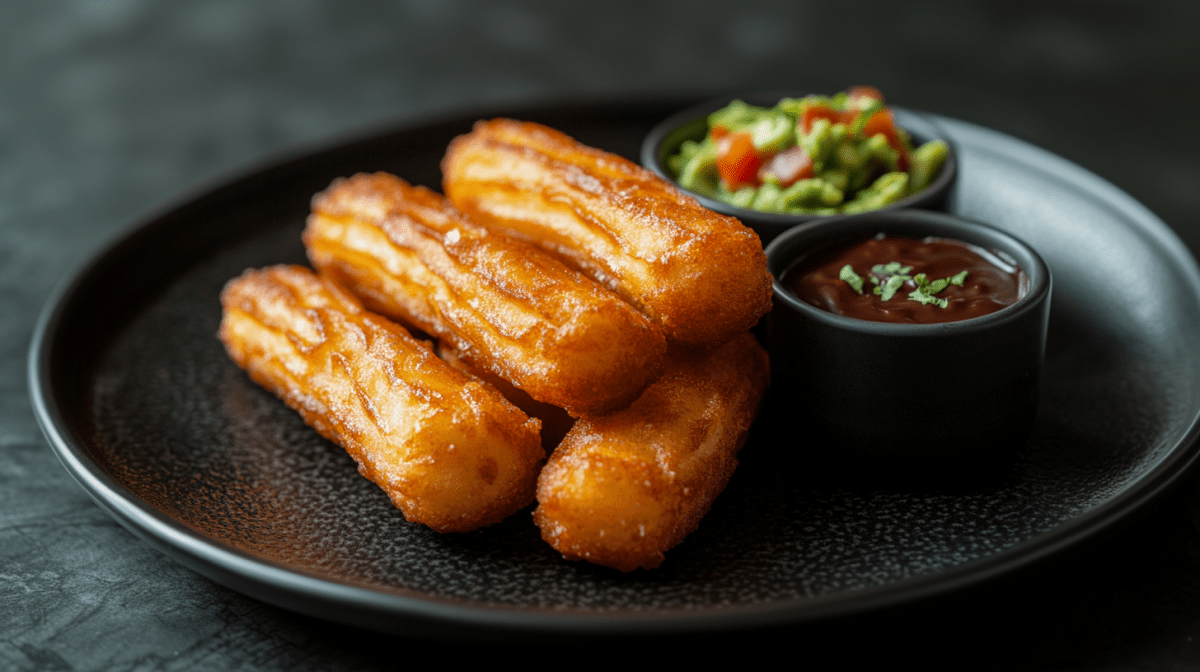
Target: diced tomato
883 122
718 132
788 166
738 161
814 112
861 96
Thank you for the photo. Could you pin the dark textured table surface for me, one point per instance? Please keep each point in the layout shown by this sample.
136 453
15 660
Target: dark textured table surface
112 109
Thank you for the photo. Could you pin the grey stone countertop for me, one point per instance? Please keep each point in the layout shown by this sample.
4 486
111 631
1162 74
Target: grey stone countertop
111 109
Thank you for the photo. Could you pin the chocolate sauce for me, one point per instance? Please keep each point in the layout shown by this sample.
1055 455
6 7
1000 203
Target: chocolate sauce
991 284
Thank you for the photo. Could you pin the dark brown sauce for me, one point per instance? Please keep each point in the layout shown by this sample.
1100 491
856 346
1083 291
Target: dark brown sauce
991 284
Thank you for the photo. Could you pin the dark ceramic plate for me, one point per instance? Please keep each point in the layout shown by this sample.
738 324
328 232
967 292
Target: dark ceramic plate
141 405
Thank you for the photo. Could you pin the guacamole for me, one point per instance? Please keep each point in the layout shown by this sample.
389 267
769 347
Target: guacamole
813 155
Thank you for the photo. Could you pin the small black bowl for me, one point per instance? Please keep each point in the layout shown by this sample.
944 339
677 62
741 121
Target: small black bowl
902 399
692 124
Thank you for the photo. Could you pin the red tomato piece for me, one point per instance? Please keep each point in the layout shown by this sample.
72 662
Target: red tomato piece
788 166
880 122
883 122
718 132
738 161
814 112
861 96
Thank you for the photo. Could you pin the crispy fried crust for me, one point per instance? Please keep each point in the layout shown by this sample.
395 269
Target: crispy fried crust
699 275
504 305
624 488
556 422
447 449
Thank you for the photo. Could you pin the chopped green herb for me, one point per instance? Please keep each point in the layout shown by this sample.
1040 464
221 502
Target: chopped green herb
920 296
890 277
853 279
889 268
894 283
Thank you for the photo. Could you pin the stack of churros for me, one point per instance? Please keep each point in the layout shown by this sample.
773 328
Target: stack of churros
582 307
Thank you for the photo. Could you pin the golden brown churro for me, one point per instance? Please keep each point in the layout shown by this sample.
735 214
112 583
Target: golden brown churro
702 277
560 288
503 305
624 488
447 449
556 422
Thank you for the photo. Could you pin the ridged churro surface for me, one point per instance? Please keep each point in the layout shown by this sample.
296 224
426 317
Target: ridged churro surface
447 449
556 422
504 305
701 276
623 489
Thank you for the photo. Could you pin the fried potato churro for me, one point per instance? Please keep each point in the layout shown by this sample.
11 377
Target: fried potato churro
503 305
624 488
556 422
702 277
447 449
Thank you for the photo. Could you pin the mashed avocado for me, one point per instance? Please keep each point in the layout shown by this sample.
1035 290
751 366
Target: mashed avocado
812 155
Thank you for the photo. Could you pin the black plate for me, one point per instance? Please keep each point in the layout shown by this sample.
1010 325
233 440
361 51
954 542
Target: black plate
141 404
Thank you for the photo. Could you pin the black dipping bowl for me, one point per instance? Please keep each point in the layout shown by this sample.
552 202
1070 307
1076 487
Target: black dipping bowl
692 124
904 399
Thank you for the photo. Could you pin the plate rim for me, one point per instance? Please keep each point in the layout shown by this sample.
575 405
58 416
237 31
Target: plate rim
394 612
